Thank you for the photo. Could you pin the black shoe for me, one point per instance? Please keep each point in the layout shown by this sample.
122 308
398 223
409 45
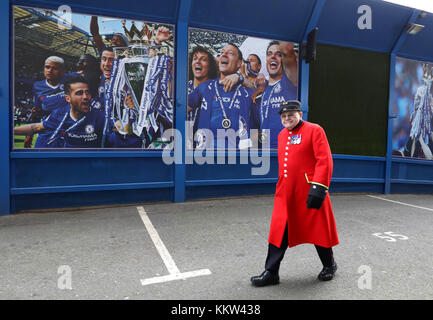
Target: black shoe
265 279
327 273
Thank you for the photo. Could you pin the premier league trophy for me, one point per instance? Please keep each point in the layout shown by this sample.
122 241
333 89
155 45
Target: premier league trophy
142 83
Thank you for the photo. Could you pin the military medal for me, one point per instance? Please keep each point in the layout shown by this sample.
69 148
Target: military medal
226 123
296 139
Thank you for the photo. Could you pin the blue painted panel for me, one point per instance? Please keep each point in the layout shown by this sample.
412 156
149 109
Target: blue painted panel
411 188
153 11
69 172
351 168
339 24
285 20
204 192
73 154
229 171
412 170
82 199
355 187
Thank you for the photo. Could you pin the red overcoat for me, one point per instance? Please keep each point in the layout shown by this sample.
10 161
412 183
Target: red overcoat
304 157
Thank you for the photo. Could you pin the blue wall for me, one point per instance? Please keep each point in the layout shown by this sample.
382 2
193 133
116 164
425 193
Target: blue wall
37 180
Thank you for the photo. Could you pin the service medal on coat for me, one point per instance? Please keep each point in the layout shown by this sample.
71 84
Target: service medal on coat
296 139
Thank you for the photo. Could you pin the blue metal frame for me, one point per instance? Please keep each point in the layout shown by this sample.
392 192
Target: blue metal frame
5 112
304 67
391 99
181 96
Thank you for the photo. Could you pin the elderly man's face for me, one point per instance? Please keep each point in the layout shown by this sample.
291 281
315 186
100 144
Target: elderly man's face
229 61
274 61
290 119
200 65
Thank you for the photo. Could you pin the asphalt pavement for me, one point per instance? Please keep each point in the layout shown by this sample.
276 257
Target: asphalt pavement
209 249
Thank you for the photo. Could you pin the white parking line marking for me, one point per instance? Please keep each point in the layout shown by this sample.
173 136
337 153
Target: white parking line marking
174 272
402 203
178 276
163 252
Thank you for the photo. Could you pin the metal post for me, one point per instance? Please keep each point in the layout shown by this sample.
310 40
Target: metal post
396 47
5 111
305 67
181 94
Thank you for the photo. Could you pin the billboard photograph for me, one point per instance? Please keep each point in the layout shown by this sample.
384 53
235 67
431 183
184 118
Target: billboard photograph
84 81
413 126
236 84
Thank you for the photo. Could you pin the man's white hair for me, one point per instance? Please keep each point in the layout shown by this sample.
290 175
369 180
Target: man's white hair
55 59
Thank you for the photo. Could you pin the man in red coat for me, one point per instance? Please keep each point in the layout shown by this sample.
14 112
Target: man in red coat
302 208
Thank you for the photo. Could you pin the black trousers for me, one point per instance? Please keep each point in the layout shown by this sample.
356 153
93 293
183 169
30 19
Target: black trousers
276 255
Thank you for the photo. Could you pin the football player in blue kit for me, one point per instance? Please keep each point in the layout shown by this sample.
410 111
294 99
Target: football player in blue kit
278 89
79 127
220 109
45 95
111 139
202 67
50 98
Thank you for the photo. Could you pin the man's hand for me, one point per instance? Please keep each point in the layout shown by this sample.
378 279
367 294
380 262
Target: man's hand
260 81
316 196
129 102
163 34
290 56
256 93
118 127
230 81
28 142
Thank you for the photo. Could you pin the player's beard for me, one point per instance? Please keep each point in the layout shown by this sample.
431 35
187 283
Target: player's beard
82 109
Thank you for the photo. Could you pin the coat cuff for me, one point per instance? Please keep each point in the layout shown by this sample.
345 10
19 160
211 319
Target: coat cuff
316 183
318 190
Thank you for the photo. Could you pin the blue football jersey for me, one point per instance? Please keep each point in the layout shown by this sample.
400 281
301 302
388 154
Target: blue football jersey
85 132
213 102
50 97
273 95
42 89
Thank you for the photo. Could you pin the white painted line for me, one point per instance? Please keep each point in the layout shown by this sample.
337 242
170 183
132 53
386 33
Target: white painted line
163 252
178 276
174 273
402 203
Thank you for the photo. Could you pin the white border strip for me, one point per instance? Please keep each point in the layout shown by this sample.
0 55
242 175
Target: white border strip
174 273
402 203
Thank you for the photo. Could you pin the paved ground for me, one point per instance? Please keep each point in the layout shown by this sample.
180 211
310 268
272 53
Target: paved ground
109 253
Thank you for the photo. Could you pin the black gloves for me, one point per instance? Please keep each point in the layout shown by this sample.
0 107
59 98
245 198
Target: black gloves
316 196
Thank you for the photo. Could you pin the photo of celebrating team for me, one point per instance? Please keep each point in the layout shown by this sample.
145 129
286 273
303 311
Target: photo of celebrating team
108 83
96 83
238 83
